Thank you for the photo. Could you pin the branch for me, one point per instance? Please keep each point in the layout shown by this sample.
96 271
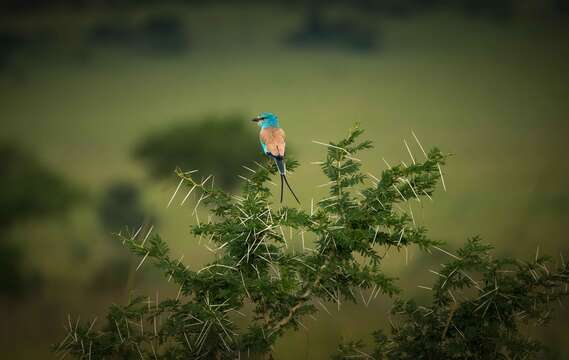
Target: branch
302 299
449 319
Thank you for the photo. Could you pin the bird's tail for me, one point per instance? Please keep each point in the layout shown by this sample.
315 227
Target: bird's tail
283 177
279 160
282 170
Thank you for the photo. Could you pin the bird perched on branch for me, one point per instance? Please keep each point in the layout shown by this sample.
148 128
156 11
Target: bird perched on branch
273 143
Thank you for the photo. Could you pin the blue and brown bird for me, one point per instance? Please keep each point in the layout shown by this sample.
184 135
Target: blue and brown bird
273 143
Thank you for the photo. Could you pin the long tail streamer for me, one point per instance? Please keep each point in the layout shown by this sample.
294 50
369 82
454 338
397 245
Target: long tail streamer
282 170
283 177
282 187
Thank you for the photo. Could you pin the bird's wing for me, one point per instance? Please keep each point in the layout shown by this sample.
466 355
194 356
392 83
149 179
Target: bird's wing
274 139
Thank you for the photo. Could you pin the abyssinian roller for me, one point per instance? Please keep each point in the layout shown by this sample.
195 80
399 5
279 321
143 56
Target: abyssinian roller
273 143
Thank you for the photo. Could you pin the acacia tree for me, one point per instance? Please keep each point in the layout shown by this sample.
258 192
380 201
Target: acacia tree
478 303
478 309
255 264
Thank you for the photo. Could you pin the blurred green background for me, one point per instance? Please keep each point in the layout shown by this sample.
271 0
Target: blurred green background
101 100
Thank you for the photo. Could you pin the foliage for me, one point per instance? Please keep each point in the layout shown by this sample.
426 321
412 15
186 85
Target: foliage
218 146
256 265
478 311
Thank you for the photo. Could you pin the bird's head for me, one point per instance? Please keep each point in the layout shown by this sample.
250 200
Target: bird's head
267 119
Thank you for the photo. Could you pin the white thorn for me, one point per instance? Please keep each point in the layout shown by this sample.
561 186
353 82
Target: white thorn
248 168
147 235
409 151
442 177
375 236
330 145
401 236
400 194
373 177
187 195
175 192
419 143
412 216
137 232
412 188
429 196
446 252
142 261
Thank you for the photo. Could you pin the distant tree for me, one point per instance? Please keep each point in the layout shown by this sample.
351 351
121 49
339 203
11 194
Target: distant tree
157 34
497 9
10 43
394 8
214 145
320 31
121 207
28 190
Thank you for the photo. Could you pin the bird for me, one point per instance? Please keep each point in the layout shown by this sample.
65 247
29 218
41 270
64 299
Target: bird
273 144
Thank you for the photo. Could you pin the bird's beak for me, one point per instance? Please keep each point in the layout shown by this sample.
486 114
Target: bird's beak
257 119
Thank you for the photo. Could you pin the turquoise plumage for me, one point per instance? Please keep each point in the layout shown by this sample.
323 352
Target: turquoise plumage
273 144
